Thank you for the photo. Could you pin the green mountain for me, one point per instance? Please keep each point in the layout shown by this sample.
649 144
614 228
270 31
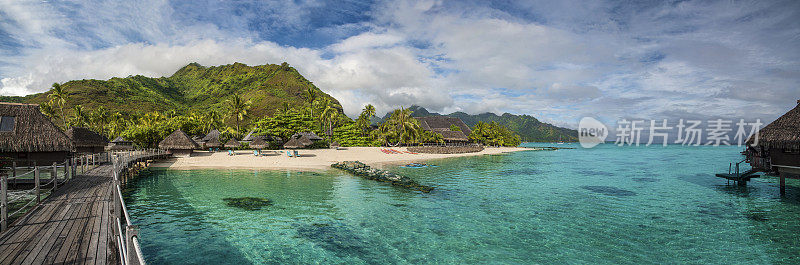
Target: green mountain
529 128
193 87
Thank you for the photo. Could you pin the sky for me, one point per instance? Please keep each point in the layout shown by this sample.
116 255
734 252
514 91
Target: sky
556 60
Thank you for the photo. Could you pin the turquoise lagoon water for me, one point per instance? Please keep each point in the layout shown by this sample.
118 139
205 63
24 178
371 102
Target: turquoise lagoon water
606 205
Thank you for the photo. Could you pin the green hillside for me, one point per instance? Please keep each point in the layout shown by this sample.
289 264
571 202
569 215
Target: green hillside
193 87
528 127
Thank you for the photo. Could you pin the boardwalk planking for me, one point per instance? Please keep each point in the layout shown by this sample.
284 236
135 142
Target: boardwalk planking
72 226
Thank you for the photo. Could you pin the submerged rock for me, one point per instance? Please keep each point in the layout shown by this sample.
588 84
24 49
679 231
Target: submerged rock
247 203
360 169
608 190
645 179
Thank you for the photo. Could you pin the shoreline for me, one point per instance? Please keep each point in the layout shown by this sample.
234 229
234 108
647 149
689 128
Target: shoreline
312 159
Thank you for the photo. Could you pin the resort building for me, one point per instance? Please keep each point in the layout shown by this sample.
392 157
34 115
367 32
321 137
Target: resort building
86 141
258 143
232 143
252 137
311 136
120 144
178 144
776 150
28 136
211 135
213 143
293 143
452 129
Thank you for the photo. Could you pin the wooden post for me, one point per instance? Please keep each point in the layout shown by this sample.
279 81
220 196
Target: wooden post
783 183
131 231
67 169
3 202
14 168
54 177
36 180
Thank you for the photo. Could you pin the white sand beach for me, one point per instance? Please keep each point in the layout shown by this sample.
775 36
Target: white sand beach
310 159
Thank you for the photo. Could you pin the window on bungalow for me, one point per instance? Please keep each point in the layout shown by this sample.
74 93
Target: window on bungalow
7 124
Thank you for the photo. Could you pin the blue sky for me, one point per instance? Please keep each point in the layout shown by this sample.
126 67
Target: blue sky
556 60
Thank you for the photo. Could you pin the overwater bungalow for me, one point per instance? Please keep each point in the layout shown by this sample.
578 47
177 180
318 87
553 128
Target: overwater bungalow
178 144
28 136
445 126
120 144
232 143
776 150
86 141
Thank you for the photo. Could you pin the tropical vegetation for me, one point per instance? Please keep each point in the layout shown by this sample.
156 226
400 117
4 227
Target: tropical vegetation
272 100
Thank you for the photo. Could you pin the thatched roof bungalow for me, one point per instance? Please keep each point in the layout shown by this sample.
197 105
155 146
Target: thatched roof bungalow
309 135
252 136
178 144
120 144
443 124
258 143
232 143
86 141
28 136
213 143
776 147
211 135
293 143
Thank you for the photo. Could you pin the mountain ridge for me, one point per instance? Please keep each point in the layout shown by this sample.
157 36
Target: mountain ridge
528 127
191 88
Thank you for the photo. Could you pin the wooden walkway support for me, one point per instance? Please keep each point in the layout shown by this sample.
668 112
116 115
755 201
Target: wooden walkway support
83 220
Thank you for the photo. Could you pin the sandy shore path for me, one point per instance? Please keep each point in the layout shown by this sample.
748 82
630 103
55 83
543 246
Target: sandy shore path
310 159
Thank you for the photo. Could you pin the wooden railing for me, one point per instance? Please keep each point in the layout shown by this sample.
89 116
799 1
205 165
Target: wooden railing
126 233
59 174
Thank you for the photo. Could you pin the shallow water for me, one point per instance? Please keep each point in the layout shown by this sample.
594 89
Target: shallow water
603 205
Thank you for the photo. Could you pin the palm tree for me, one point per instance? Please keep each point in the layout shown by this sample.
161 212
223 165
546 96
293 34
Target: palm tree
363 120
329 115
238 109
406 126
99 119
59 96
368 111
80 118
311 96
47 109
211 120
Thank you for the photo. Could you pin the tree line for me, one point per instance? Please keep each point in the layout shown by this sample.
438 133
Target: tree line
234 120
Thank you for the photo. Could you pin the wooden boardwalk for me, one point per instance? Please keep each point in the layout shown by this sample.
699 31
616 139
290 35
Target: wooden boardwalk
72 226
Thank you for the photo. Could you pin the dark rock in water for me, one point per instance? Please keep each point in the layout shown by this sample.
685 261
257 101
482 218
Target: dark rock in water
248 203
337 239
646 180
595 173
399 205
360 169
757 217
611 191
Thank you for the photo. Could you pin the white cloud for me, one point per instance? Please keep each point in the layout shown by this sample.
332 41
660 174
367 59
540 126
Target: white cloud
558 61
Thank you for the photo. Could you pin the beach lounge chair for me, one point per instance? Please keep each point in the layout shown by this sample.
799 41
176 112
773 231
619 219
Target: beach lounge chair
255 152
230 152
295 153
289 153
